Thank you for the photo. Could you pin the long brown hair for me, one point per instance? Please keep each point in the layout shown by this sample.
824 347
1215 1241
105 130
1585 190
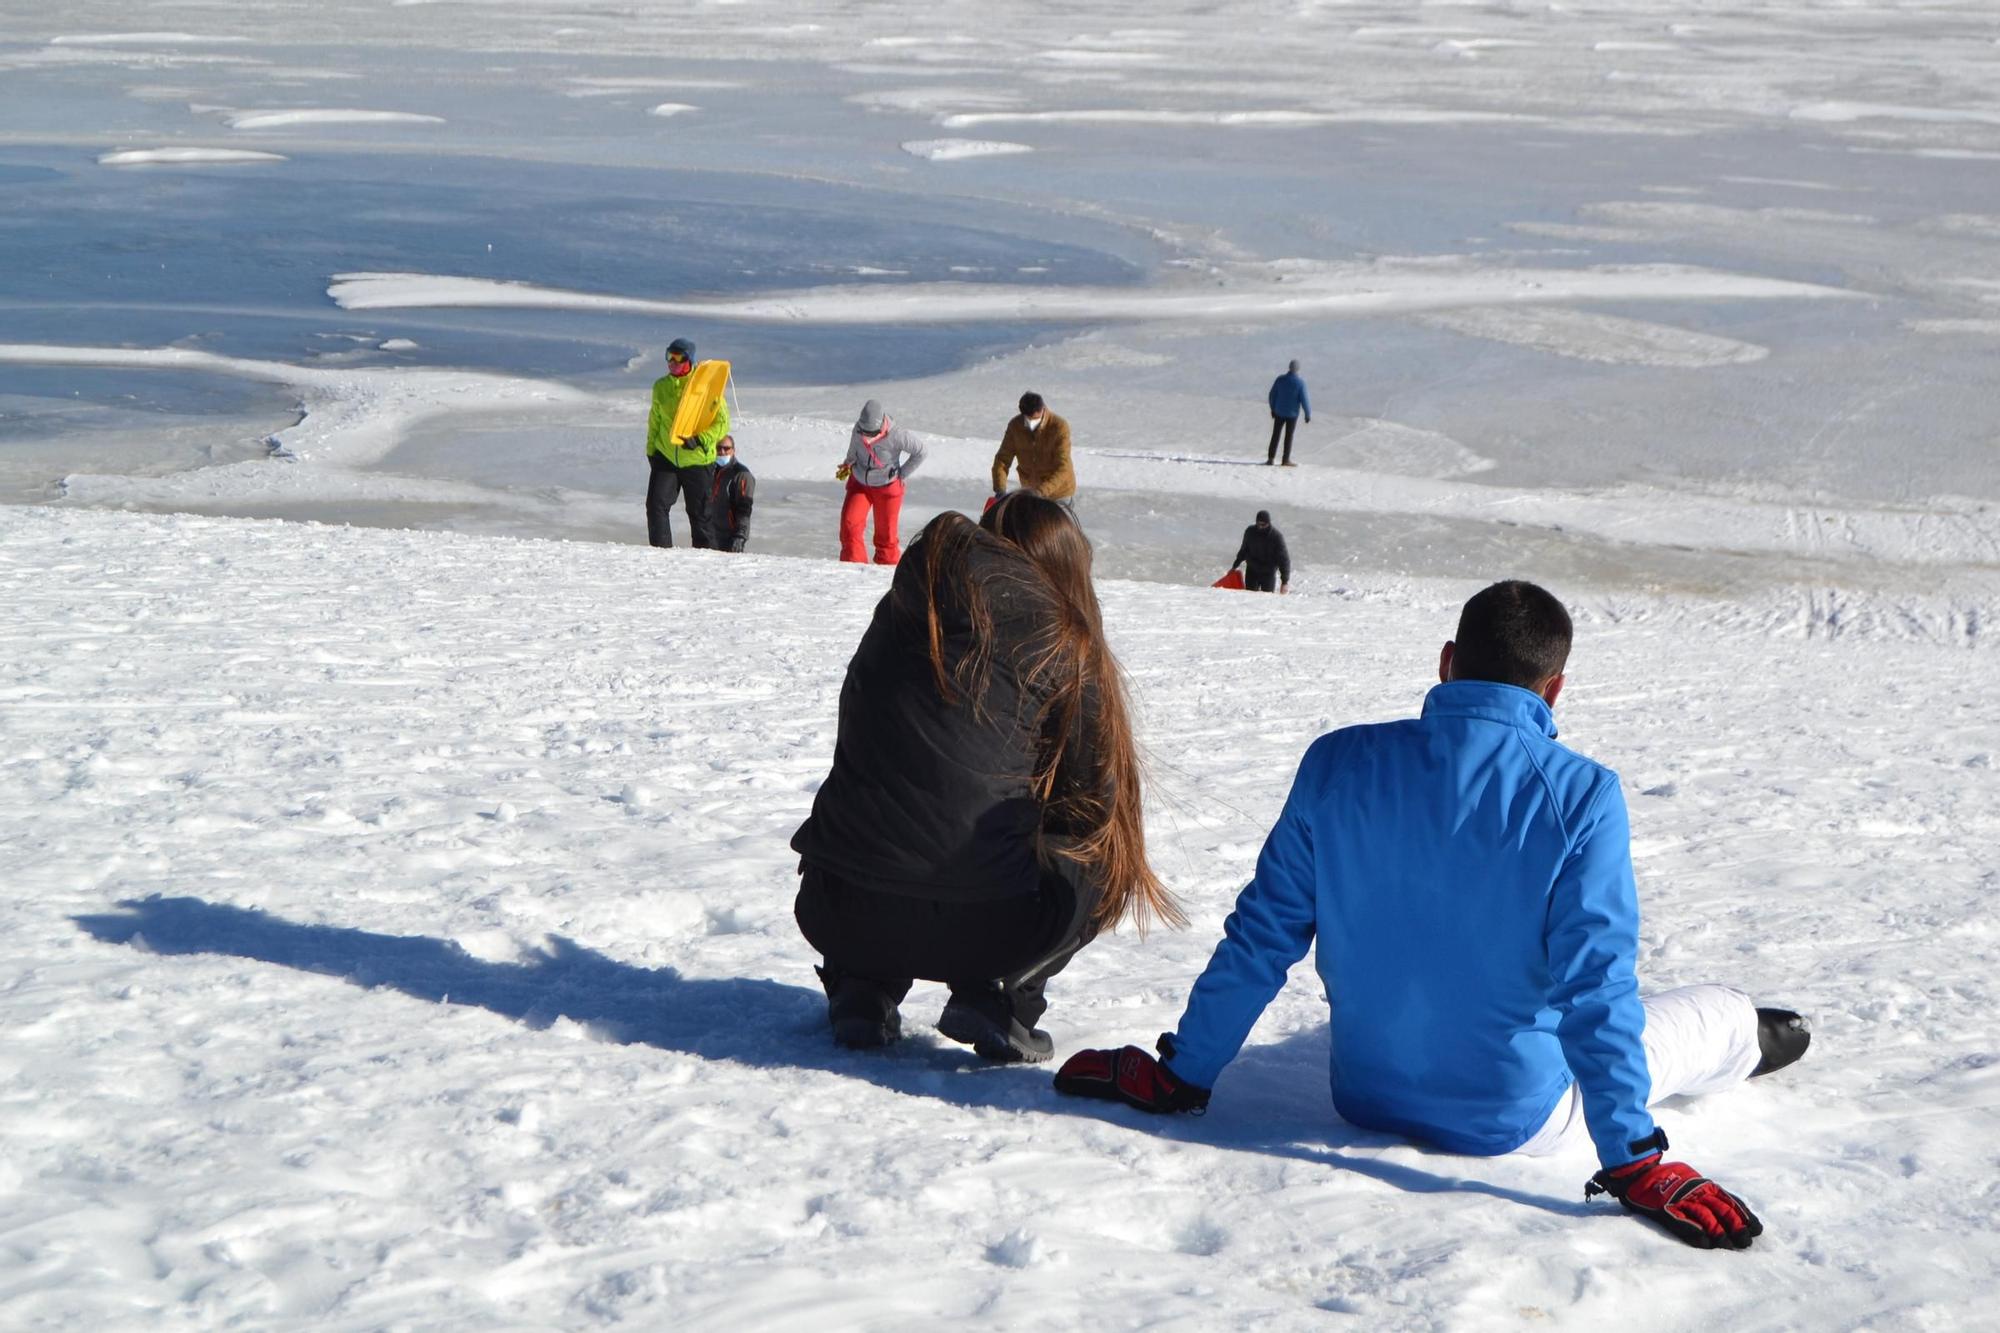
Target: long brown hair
1068 664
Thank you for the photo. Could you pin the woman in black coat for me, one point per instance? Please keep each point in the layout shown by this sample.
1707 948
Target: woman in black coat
982 818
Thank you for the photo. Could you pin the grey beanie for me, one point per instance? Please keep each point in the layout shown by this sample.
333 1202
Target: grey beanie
870 419
1294 368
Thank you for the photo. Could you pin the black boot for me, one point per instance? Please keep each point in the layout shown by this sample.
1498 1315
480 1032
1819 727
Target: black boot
861 1011
984 1020
1782 1037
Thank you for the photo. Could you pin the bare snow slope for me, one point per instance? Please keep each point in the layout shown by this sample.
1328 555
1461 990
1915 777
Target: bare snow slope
399 935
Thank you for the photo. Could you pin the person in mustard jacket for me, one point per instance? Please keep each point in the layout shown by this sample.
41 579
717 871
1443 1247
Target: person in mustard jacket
1037 441
682 467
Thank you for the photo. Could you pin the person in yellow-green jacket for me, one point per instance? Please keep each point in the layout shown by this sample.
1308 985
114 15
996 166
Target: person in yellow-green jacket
683 467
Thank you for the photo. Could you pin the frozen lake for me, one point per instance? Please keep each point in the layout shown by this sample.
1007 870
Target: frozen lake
1601 253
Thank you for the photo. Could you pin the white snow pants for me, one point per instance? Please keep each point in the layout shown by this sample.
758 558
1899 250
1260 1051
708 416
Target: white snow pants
1698 1039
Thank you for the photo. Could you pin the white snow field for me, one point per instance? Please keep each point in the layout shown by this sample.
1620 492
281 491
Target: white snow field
399 936
397 931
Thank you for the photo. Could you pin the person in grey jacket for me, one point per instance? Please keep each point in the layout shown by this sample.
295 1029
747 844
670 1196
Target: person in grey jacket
880 454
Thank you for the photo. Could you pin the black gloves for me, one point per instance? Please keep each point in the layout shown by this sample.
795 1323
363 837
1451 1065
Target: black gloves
1691 1206
1131 1076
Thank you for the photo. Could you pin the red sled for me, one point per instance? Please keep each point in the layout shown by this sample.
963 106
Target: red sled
1233 579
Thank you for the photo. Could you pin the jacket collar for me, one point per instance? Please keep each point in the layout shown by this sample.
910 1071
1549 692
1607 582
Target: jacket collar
1492 701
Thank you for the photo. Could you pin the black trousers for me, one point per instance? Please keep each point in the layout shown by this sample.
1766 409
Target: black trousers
689 484
1260 578
892 939
1281 426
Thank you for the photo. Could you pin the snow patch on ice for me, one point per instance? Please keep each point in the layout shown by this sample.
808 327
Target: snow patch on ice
1585 336
952 150
271 120
1972 224
1843 113
930 100
141 39
1254 292
352 415
604 86
1261 119
1580 231
139 157
1782 182
671 109
1980 327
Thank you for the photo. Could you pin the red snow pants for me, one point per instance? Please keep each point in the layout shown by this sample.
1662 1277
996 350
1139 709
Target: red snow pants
887 502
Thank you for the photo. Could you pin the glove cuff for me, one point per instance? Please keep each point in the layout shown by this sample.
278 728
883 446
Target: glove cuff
1182 1095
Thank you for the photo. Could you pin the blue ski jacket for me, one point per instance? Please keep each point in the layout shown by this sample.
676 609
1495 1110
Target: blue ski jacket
1469 882
1288 396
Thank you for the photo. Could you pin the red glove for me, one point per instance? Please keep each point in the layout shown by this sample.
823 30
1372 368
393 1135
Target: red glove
1690 1205
1131 1076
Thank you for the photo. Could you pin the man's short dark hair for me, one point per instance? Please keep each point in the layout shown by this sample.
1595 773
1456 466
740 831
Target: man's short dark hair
1031 403
1514 633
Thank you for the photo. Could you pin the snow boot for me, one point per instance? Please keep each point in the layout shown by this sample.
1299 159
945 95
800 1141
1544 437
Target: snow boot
1782 1037
985 1021
862 1012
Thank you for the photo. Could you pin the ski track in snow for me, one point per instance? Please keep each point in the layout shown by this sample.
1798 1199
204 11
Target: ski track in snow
399 933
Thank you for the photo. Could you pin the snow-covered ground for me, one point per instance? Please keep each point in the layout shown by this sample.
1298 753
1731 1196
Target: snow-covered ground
399 927
399 935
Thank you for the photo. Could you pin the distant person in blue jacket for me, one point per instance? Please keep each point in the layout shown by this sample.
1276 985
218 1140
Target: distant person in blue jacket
1288 403
1469 884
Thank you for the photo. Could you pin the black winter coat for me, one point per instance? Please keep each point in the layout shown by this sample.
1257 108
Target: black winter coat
733 495
1264 548
933 799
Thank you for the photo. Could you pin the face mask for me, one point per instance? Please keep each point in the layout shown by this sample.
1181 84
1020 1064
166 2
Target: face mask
724 460
1032 423
679 368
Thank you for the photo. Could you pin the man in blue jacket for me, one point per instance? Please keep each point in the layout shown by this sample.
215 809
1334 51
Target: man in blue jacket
1288 400
1469 884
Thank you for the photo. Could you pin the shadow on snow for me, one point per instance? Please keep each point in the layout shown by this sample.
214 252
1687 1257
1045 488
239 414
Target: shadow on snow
1274 1098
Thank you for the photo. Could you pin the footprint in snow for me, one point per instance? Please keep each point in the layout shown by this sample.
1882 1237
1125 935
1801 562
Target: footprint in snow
1201 1238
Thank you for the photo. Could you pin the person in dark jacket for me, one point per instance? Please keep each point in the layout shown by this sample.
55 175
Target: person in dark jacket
1466 882
1267 565
731 497
981 821
1288 401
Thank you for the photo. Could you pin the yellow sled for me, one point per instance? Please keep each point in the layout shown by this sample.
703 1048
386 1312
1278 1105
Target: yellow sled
706 383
